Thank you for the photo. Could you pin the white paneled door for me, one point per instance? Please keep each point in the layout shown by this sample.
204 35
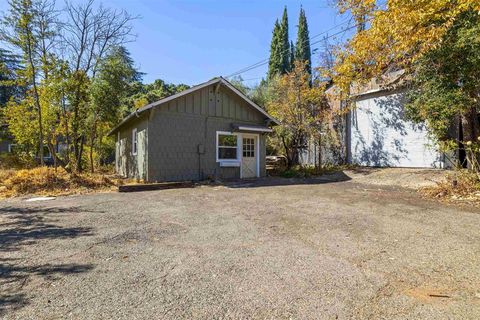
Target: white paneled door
249 156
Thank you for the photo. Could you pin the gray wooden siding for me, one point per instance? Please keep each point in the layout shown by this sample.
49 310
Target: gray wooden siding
177 131
127 163
205 102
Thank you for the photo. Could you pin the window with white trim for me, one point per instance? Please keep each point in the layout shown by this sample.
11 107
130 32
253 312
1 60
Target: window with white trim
227 146
134 141
248 147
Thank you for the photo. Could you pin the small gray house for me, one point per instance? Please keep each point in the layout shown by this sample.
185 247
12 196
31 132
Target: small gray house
210 130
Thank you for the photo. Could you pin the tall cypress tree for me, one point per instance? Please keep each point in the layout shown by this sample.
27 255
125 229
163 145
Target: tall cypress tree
302 50
280 49
285 43
275 62
292 56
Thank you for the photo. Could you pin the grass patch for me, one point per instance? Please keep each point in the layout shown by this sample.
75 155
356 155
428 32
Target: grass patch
48 181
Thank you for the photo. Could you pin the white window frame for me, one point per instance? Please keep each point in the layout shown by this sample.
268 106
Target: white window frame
239 142
134 142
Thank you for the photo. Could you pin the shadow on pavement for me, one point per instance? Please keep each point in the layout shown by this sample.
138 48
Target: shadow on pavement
25 226
279 181
13 278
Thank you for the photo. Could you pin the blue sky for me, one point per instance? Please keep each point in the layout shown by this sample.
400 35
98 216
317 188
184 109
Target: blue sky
191 41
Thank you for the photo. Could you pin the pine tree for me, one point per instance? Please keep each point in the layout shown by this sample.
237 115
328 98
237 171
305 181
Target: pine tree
302 50
285 43
275 62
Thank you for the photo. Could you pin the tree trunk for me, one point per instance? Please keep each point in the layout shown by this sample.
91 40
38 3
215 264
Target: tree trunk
40 134
287 153
56 160
77 137
67 132
93 137
471 132
80 153
470 125
320 151
92 170
92 143
37 98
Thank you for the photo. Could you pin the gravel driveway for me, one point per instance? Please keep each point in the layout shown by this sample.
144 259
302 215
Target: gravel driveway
272 249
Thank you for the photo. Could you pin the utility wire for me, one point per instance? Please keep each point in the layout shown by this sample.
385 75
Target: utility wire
265 61
262 62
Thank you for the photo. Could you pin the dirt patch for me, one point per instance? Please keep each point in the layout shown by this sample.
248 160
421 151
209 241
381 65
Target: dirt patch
400 177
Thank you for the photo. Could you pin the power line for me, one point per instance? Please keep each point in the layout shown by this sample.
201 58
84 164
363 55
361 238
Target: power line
256 78
265 61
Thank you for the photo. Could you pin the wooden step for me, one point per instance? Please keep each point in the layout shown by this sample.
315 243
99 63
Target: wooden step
155 186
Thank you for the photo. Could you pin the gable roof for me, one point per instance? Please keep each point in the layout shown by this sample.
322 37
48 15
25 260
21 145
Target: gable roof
218 80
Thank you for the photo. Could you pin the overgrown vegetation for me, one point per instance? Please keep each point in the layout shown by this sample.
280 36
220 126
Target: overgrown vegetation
302 110
461 185
50 181
311 171
445 87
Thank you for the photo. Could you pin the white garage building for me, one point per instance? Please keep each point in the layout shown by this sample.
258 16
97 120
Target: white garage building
379 135
376 132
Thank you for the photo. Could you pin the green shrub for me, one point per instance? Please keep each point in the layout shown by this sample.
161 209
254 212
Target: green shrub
309 171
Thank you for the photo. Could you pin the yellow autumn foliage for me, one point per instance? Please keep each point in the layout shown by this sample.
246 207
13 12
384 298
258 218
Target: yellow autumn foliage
48 181
398 34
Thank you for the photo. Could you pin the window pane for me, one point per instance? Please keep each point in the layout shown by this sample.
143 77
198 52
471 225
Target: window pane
248 154
227 153
248 147
227 140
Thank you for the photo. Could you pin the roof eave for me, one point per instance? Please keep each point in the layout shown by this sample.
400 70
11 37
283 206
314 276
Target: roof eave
192 89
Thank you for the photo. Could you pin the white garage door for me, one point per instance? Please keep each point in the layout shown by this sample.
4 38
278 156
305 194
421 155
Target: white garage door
381 137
